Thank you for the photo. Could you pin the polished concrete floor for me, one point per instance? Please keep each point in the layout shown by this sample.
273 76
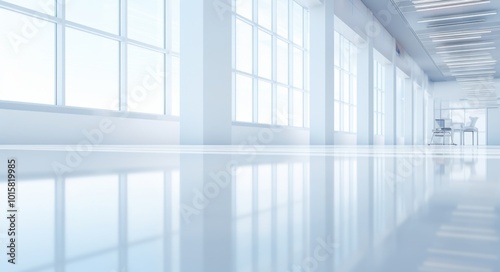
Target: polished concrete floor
254 208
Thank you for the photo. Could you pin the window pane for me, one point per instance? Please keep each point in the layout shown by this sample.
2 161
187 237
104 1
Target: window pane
377 101
145 80
265 13
244 8
100 14
282 106
27 66
354 93
336 116
354 118
345 54
346 87
46 6
346 114
87 86
336 81
298 68
265 105
336 49
354 59
265 55
244 47
244 98
298 109
380 77
306 110
282 61
342 125
381 102
175 23
382 121
282 18
298 24
146 21
175 86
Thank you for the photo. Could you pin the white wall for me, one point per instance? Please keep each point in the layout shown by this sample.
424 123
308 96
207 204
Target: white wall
267 135
53 128
343 138
493 129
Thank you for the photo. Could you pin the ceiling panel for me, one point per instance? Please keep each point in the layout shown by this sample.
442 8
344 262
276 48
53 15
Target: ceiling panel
451 40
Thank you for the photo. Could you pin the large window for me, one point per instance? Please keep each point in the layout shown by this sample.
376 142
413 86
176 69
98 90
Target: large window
91 54
270 63
346 90
379 97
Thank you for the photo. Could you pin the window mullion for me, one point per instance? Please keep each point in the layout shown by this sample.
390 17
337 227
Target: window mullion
290 64
123 96
255 90
167 44
60 53
274 30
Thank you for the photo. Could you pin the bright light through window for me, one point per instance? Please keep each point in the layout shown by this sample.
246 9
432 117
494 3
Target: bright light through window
87 86
345 84
146 21
78 56
272 62
100 14
27 63
146 80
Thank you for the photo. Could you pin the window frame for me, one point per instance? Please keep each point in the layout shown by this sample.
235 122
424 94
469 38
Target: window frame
61 24
379 85
257 27
341 71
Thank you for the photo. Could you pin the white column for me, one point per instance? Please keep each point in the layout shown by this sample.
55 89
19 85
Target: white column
322 70
390 101
408 118
365 94
192 207
217 187
206 44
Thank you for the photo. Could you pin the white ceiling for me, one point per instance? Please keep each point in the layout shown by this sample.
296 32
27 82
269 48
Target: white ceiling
451 40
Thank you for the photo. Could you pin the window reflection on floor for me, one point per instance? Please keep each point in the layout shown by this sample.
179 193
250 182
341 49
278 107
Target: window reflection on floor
36 228
345 210
271 209
91 222
78 219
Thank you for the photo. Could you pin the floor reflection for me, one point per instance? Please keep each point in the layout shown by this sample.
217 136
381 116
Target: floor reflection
278 209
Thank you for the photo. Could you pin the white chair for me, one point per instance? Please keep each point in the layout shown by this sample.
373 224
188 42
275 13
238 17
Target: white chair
471 127
442 131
